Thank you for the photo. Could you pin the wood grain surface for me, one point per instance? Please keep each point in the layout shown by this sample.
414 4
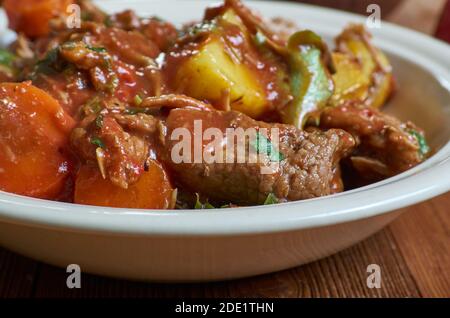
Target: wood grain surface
413 252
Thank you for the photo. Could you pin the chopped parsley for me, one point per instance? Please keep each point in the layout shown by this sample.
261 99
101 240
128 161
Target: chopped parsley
136 110
200 28
263 145
96 49
70 45
94 105
137 100
6 57
108 21
423 146
86 16
47 64
113 83
99 121
201 206
97 142
271 199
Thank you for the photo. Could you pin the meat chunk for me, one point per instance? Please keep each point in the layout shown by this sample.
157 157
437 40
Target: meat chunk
305 166
385 145
160 32
118 144
78 64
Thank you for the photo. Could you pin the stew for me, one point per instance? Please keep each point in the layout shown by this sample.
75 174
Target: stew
126 111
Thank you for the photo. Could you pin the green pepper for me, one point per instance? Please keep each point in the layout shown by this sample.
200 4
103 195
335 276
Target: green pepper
311 83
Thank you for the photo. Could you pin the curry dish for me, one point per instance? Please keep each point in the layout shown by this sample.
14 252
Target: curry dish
89 109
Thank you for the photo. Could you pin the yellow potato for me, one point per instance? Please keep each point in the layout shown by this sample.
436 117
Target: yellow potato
376 68
212 72
222 70
350 82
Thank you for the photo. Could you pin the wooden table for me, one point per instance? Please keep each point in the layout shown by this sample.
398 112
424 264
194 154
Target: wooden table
413 252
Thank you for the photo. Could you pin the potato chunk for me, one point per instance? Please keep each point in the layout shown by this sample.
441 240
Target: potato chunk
223 63
376 68
350 83
212 72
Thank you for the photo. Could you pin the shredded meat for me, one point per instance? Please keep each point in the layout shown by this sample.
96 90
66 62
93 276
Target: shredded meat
118 143
174 101
308 169
160 32
91 12
95 60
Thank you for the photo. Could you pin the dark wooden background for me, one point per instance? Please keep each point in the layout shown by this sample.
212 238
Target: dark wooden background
413 252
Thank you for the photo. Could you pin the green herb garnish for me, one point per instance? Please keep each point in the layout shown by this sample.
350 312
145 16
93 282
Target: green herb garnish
86 16
200 28
271 199
200 206
137 100
99 121
70 45
96 49
97 142
263 145
113 84
423 145
108 22
136 110
6 57
47 64
94 105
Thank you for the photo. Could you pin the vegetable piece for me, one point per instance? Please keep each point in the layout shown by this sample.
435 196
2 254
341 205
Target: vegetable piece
7 69
212 72
207 206
264 146
6 57
424 149
32 17
151 191
200 206
356 42
311 83
350 83
33 131
227 68
271 199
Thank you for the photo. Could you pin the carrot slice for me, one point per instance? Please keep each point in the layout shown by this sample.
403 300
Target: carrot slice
32 16
151 191
33 132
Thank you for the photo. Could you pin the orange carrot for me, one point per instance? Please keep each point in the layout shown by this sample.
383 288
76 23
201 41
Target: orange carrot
151 191
32 16
33 132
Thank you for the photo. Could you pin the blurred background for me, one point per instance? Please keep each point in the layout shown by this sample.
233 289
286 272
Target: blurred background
357 6
415 14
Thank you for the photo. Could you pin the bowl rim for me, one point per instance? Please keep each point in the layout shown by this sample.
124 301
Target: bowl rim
418 184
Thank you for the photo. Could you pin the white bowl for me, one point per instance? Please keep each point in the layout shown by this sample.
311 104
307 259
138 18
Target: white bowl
223 244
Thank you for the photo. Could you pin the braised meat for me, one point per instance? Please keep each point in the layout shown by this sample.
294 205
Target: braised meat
385 145
118 143
306 165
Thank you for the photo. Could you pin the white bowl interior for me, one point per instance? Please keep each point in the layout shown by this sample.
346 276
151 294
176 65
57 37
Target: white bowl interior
422 99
